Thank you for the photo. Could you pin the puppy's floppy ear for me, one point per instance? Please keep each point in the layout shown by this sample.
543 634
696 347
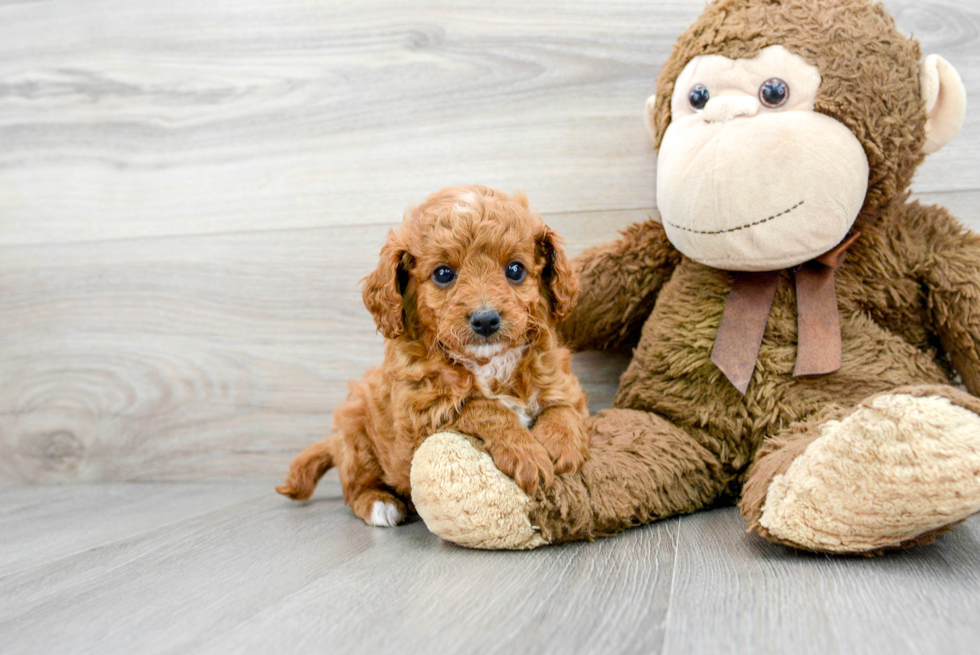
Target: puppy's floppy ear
558 278
384 287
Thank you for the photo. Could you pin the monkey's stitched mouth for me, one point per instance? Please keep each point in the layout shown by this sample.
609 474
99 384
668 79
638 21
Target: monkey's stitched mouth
740 227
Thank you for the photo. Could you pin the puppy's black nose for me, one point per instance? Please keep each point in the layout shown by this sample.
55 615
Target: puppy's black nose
485 321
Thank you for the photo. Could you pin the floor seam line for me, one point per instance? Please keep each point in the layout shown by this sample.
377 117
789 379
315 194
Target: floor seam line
673 584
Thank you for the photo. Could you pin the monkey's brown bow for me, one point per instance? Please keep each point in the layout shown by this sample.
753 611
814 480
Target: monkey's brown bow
743 322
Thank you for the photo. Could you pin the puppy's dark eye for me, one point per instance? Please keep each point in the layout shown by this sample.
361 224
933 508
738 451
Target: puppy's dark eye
774 93
698 97
443 275
515 271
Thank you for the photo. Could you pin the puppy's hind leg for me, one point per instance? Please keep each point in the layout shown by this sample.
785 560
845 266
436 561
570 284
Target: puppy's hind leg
309 466
365 491
378 507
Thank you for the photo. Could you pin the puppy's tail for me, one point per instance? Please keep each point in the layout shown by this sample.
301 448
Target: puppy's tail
309 466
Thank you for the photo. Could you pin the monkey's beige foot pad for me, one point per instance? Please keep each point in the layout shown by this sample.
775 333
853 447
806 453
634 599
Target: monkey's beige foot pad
896 469
465 499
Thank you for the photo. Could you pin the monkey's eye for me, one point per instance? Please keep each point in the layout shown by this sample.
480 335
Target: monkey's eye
443 275
515 271
774 93
698 97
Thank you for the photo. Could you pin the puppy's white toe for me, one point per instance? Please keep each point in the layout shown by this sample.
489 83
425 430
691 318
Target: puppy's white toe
386 515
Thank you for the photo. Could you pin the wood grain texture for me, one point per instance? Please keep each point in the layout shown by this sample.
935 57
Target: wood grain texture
247 571
190 191
440 598
764 598
159 361
45 523
137 119
256 575
122 119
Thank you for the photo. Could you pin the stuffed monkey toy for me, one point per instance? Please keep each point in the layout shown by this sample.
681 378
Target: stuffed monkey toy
799 328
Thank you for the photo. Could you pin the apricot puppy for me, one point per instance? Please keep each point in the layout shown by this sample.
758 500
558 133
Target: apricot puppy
467 294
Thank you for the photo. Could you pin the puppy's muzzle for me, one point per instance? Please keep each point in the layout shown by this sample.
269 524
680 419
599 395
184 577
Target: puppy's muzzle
485 322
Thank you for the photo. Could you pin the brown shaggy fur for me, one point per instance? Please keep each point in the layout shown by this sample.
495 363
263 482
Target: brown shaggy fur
681 437
430 380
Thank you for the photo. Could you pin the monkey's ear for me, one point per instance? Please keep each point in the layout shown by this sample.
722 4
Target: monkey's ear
561 284
648 115
384 287
945 101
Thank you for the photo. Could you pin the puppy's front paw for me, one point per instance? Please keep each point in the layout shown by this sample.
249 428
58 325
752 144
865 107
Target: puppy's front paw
526 461
567 451
569 457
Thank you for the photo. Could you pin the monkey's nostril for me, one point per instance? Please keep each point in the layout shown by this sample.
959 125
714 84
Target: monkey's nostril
485 321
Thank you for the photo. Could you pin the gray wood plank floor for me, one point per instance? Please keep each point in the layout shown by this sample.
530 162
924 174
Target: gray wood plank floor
233 568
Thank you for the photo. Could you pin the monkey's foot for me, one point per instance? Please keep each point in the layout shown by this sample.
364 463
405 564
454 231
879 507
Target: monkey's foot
464 498
897 471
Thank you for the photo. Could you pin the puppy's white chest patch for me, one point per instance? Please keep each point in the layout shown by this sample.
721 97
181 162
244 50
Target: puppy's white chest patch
500 369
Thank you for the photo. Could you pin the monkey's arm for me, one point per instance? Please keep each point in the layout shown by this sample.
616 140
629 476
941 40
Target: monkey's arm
951 272
618 284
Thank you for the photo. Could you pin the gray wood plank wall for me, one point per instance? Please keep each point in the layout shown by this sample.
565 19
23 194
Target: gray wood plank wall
190 191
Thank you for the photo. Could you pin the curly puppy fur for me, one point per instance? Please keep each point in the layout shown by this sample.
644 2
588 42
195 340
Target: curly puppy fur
513 388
